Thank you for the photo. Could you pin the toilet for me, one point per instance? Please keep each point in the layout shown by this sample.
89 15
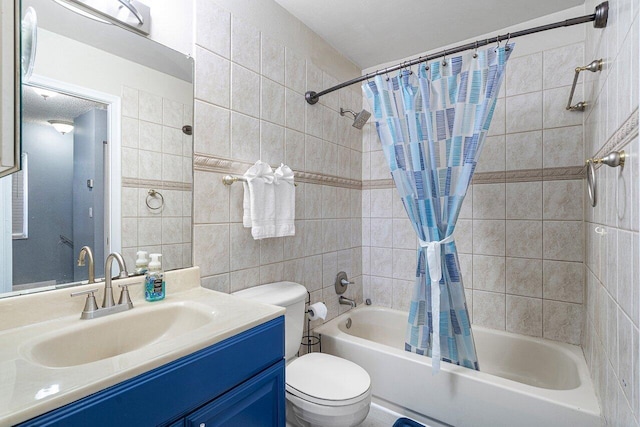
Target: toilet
321 390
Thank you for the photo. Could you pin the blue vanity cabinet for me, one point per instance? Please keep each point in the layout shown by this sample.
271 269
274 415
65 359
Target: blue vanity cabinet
237 382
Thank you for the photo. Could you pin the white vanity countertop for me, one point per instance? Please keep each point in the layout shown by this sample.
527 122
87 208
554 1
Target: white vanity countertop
29 389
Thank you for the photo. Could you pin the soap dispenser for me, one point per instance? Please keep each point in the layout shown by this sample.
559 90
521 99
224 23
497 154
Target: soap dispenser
154 286
142 262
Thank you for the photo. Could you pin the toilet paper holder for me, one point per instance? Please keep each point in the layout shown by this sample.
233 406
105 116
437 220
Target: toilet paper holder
309 339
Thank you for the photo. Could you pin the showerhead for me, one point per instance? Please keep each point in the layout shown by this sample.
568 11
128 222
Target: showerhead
359 119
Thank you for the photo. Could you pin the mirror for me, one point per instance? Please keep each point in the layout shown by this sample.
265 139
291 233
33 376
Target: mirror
119 176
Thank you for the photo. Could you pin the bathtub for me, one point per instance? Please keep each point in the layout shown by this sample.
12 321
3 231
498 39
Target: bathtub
524 381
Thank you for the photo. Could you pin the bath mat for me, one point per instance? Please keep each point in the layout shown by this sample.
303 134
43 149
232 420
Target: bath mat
406 422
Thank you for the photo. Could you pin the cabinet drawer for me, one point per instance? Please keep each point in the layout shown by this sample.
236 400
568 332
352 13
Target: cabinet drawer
258 402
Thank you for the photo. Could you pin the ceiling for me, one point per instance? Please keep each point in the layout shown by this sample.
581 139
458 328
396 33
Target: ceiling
37 109
372 32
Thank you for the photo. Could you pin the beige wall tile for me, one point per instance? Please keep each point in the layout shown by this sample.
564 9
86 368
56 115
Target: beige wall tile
524 112
489 309
489 237
524 74
245 137
493 157
213 129
559 65
245 87
524 150
562 321
524 238
489 273
489 201
272 59
245 44
295 71
562 200
273 102
562 147
524 200
213 27
563 281
524 315
211 248
212 78
524 277
559 241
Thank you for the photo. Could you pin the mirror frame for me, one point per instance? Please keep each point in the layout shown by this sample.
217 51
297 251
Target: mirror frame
15 115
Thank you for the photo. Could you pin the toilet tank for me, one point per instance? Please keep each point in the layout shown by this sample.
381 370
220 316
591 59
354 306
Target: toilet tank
292 297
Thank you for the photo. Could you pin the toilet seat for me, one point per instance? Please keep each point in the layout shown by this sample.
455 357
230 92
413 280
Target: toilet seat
327 380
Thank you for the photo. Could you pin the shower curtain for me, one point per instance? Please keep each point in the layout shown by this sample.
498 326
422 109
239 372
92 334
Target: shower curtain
432 127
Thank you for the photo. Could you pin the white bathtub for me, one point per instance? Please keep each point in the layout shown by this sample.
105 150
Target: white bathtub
523 381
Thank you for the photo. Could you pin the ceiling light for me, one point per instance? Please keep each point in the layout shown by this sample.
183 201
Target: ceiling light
44 92
61 126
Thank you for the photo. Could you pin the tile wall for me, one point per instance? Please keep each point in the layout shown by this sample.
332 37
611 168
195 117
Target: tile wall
519 233
156 154
611 319
250 105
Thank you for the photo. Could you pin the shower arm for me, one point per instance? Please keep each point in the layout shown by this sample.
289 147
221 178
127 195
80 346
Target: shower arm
599 19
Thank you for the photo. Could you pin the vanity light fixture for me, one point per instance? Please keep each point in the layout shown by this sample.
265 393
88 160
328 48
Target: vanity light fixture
45 93
80 11
61 126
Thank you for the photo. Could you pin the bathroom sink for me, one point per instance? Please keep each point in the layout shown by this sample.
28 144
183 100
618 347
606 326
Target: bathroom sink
94 340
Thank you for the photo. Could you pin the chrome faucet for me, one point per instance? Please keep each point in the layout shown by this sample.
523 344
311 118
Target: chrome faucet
108 301
347 301
86 252
91 310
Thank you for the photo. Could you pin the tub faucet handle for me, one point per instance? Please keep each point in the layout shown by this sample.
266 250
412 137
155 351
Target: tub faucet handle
341 283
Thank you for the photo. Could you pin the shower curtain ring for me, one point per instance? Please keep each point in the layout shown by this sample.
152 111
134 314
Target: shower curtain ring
444 60
386 73
497 41
506 45
475 51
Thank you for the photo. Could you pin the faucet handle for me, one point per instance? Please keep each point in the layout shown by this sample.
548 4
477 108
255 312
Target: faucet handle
125 298
90 304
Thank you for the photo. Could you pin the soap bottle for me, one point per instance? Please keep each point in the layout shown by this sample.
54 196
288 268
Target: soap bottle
142 262
154 286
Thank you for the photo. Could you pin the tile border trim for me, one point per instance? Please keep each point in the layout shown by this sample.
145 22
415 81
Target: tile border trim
621 137
154 183
208 163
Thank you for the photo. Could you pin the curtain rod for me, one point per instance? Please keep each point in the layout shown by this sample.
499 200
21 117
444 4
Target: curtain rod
599 18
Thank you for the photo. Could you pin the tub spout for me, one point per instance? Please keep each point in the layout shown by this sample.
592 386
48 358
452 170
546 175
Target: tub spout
346 301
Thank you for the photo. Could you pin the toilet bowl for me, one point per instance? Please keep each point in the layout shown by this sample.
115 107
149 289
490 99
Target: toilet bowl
324 390
321 390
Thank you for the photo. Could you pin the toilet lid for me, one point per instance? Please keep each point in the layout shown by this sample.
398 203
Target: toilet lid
326 377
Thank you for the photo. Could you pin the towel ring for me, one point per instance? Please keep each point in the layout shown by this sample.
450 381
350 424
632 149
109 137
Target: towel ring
614 159
153 194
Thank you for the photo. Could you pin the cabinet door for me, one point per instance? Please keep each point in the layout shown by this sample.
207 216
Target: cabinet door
258 402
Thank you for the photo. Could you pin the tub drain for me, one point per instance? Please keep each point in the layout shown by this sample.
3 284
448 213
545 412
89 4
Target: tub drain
348 323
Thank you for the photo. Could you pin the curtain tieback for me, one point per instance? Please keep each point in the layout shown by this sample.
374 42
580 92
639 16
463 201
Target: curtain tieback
434 263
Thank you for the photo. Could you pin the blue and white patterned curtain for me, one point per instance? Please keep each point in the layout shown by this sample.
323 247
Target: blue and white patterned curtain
432 127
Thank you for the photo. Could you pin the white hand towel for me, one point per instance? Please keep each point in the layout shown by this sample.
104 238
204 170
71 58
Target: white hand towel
261 204
285 192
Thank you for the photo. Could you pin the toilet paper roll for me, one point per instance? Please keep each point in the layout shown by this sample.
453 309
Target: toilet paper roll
317 311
